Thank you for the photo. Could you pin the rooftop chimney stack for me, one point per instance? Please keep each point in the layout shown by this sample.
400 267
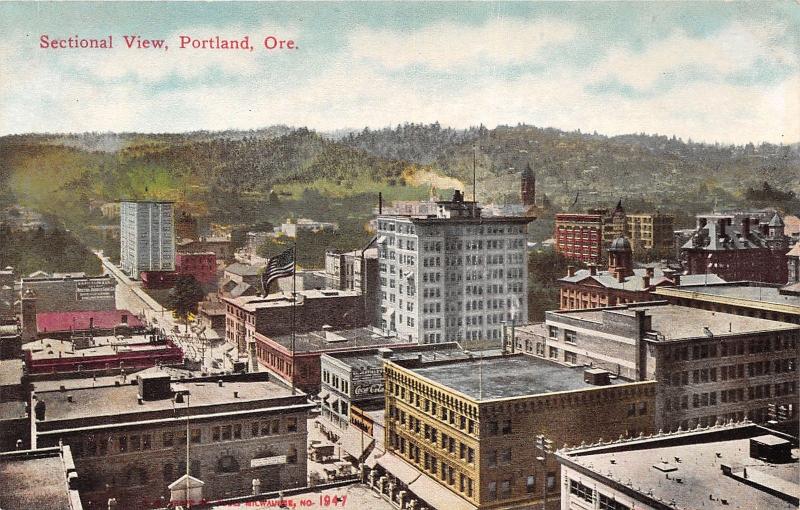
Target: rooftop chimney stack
570 270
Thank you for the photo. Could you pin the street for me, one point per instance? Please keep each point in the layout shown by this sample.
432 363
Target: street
195 342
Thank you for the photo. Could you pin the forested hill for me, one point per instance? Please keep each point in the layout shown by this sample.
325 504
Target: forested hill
651 170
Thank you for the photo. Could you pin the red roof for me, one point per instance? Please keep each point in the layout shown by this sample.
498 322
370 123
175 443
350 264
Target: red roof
54 322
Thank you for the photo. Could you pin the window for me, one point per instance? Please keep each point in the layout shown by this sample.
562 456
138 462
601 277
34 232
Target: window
569 336
506 427
571 357
169 477
505 489
609 503
197 436
553 352
291 456
492 458
492 490
505 456
227 464
530 483
582 491
227 432
291 424
551 481
146 443
123 444
215 434
493 428
552 331
237 431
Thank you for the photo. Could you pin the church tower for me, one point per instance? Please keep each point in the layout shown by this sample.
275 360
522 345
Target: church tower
528 186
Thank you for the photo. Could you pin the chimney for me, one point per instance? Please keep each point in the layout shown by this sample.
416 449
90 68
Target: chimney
676 278
570 270
745 227
219 383
593 269
380 203
650 272
620 276
701 222
91 323
646 281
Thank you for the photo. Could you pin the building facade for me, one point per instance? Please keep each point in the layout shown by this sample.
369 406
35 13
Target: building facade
71 293
202 266
579 237
748 251
272 315
621 283
134 446
452 276
356 270
651 232
475 437
147 237
296 358
709 365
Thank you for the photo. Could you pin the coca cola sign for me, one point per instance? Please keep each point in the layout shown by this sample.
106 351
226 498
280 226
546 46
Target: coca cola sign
365 390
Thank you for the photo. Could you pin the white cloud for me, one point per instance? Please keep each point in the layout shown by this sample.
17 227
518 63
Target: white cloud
444 46
736 48
351 91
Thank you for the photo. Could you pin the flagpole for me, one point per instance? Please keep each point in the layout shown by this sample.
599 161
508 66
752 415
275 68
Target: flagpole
294 304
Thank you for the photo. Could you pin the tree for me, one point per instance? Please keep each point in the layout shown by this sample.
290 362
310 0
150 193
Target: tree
183 298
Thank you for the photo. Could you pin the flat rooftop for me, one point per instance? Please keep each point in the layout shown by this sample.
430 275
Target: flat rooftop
507 377
657 466
120 400
374 359
12 411
11 371
176 374
253 303
50 348
682 322
35 482
751 291
333 340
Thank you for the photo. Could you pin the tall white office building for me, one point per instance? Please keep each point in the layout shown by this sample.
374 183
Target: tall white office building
147 237
452 275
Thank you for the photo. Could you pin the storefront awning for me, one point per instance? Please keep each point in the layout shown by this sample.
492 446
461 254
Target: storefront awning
398 468
438 496
356 442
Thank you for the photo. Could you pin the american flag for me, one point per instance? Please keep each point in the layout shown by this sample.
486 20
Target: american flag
279 266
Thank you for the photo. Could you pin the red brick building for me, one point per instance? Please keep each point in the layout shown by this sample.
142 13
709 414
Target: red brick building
579 236
621 283
97 323
203 266
302 365
272 315
749 251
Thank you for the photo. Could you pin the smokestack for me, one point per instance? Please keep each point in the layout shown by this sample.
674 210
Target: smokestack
746 227
380 203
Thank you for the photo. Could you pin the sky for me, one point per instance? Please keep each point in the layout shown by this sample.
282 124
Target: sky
714 72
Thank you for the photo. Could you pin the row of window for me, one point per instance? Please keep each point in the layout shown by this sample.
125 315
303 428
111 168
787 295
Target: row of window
588 494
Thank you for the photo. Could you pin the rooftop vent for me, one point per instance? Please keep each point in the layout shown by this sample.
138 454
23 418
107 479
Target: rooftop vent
597 377
153 387
770 448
